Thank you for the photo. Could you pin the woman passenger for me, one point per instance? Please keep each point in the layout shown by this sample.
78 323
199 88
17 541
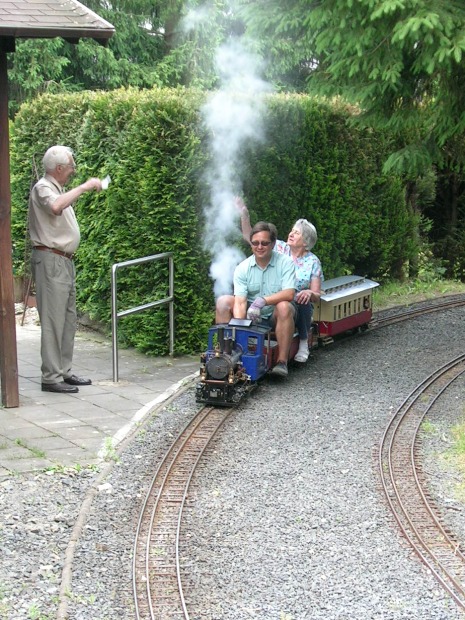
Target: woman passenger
309 273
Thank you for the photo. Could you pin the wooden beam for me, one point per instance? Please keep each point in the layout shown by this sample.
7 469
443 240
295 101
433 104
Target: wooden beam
8 350
7 44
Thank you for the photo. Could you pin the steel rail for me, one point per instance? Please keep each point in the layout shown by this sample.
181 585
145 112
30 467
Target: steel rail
150 498
179 473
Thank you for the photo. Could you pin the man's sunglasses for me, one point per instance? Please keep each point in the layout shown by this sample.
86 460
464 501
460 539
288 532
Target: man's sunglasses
265 244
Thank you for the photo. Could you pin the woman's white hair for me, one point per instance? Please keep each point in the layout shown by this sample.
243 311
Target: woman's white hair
308 232
55 156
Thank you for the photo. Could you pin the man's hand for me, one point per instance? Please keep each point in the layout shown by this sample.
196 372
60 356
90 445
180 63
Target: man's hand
253 312
92 184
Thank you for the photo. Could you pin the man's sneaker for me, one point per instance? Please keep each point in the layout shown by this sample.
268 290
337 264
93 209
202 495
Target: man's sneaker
280 370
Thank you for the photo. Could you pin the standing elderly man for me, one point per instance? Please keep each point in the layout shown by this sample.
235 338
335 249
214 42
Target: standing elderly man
264 289
55 237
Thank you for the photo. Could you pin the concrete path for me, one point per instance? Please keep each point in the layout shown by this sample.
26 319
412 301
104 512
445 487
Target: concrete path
50 430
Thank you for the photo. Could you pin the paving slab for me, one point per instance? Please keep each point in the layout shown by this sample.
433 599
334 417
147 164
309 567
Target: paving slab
66 430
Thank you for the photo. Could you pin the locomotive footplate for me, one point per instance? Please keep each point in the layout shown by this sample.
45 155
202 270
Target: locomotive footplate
221 394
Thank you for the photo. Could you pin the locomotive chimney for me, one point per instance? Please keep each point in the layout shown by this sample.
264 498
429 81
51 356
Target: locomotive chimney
221 338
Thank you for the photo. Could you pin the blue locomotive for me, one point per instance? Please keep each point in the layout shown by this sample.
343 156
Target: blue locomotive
239 354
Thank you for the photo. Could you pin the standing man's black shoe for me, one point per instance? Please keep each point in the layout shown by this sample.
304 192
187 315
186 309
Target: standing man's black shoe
73 380
60 388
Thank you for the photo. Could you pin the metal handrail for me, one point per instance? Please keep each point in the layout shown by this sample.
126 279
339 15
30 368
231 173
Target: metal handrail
115 315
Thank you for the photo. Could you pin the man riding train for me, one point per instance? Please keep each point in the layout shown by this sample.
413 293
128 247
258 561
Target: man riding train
264 289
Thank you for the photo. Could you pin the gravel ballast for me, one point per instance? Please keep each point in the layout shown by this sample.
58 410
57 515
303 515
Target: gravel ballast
286 519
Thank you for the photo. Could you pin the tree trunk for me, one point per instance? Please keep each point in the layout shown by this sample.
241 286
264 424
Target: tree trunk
411 198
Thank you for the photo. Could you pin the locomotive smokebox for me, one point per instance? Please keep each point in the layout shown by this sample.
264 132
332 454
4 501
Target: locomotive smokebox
218 367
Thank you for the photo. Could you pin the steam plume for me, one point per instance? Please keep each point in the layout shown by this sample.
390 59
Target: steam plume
233 115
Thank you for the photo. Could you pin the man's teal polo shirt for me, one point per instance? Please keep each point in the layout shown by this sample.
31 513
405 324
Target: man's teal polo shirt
252 281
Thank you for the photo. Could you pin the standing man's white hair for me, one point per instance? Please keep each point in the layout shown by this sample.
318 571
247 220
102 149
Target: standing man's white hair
55 156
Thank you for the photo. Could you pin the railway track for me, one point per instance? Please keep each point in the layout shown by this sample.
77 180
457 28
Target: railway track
157 583
415 512
390 317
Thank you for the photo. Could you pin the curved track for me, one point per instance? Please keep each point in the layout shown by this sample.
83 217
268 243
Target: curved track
157 585
415 513
389 317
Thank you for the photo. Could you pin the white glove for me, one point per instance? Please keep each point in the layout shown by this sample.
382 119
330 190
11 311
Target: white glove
254 312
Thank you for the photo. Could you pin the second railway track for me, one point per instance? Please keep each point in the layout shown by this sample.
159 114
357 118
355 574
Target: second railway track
389 317
417 516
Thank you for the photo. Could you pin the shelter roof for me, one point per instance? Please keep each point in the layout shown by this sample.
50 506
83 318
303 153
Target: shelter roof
51 18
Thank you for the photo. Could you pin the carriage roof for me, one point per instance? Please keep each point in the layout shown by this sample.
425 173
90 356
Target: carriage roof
338 288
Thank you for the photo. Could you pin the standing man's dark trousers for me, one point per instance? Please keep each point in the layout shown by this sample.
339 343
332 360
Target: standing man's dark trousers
54 278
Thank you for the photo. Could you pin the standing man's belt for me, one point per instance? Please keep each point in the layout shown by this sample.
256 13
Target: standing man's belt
59 252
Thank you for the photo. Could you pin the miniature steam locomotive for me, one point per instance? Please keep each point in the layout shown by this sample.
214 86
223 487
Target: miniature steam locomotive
239 353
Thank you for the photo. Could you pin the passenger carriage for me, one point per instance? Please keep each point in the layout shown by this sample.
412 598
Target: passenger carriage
346 304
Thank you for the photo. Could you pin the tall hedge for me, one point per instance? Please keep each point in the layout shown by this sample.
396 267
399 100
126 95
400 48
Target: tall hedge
316 166
152 143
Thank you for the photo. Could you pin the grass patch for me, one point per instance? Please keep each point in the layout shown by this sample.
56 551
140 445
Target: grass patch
109 451
456 458
393 294
458 433
35 451
428 427
71 470
34 613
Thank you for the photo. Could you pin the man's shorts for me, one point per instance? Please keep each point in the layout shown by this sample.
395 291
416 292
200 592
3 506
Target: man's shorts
270 321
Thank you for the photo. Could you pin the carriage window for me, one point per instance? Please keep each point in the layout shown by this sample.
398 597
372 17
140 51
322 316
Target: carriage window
334 313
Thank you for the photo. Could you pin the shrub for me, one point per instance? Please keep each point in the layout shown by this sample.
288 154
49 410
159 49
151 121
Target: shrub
313 164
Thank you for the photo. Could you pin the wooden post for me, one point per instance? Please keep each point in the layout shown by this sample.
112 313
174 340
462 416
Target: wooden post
8 350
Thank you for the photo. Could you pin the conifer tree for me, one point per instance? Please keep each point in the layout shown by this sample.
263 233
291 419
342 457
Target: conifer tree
152 46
